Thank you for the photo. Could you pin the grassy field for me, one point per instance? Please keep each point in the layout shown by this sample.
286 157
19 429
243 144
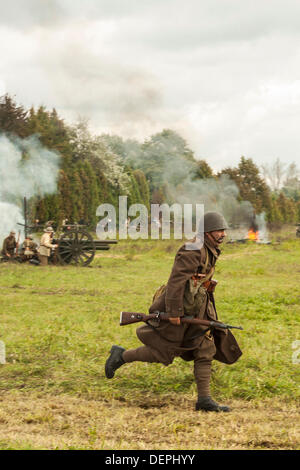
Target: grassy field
58 324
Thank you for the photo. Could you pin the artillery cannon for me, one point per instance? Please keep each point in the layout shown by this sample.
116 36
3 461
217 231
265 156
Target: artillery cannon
75 244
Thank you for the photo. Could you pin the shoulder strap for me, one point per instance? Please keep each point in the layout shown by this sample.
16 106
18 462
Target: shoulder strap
204 268
208 276
205 261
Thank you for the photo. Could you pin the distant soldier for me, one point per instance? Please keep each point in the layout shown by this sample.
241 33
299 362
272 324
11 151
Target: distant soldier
46 246
10 246
29 248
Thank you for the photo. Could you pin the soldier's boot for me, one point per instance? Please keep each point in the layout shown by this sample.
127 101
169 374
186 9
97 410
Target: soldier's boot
208 404
114 361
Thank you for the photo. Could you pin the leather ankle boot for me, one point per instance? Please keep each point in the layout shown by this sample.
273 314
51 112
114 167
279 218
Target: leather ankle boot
208 404
114 361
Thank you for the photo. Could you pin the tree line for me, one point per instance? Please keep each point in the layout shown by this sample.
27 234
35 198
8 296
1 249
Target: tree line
97 169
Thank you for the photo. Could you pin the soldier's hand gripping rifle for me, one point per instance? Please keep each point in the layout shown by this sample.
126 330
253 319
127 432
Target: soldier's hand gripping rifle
126 318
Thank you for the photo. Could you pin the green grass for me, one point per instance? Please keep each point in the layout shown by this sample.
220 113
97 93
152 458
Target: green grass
58 323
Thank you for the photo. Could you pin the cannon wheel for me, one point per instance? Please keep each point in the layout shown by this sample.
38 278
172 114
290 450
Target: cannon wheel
76 247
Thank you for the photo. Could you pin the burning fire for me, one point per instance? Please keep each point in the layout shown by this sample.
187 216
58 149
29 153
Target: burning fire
253 235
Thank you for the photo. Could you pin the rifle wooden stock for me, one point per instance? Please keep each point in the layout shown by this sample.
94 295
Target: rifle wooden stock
126 318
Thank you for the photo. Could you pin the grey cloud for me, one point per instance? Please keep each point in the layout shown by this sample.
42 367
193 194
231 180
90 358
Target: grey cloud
25 14
98 87
188 25
196 66
163 25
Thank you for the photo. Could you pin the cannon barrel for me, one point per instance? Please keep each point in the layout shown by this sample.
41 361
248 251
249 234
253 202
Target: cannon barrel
94 245
101 247
105 242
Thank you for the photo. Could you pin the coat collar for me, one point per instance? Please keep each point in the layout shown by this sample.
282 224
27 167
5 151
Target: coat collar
215 251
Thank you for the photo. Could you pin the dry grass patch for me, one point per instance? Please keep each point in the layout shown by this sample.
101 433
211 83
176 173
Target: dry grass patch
64 422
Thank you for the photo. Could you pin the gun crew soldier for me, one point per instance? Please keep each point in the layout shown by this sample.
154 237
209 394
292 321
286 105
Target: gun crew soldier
10 246
46 246
189 291
29 248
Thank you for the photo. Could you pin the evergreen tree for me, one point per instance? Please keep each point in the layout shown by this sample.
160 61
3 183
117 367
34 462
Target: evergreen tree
134 196
287 208
143 186
158 196
52 131
274 215
76 191
203 170
41 211
13 118
65 197
252 186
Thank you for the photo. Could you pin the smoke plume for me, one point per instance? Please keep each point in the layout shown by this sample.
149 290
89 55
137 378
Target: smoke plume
222 195
166 160
27 169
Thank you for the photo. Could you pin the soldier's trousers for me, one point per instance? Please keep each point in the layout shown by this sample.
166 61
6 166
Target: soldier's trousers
202 366
43 260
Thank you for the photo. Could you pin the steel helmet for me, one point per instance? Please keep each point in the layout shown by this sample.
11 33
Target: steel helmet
214 221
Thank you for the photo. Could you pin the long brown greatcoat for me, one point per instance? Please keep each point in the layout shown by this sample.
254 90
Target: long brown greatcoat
167 340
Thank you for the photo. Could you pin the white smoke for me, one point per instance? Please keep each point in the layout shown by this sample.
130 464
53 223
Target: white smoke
222 195
176 174
216 194
262 228
27 169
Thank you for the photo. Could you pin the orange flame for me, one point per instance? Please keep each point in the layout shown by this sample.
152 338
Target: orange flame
252 235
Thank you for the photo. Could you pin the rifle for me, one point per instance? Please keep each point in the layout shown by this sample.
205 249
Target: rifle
126 318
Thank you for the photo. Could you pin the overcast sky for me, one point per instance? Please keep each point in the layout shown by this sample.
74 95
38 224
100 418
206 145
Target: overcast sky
224 73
